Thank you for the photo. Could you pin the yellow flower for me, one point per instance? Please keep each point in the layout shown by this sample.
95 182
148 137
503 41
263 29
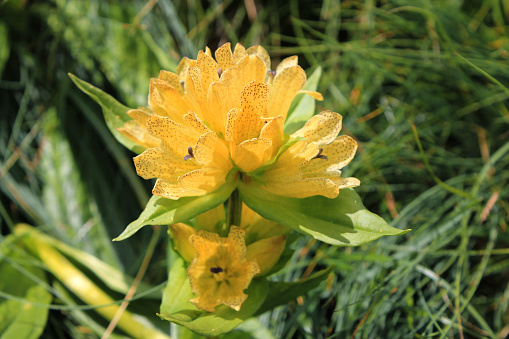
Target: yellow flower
214 115
220 272
312 166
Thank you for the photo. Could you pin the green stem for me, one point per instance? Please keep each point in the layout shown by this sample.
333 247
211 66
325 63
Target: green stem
234 212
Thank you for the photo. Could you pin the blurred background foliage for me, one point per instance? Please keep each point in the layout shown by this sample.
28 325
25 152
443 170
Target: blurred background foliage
441 65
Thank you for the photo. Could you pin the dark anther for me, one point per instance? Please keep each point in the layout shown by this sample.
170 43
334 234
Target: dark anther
273 73
219 72
190 155
216 270
320 156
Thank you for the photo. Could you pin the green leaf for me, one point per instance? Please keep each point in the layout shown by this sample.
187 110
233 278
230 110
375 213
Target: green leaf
282 292
176 307
23 290
114 112
303 107
342 221
162 211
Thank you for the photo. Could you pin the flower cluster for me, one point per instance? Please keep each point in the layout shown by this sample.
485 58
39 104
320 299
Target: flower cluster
215 116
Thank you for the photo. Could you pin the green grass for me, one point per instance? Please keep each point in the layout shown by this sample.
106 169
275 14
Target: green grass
441 66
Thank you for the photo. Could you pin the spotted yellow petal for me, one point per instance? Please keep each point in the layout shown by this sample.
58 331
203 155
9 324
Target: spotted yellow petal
210 150
171 190
322 128
337 155
315 95
287 84
218 106
261 53
305 188
238 53
161 94
288 166
172 79
205 179
139 134
273 130
159 163
288 62
176 137
251 154
195 123
208 68
248 69
224 56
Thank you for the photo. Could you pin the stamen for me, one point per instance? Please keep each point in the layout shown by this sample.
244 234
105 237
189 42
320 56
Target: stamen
219 72
216 270
320 156
190 155
273 73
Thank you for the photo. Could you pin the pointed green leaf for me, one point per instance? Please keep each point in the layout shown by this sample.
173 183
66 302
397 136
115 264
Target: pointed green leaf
282 292
176 307
303 107
162 211
115 114
342 221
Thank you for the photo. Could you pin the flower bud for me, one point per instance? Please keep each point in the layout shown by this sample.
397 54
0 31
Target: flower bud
266 252
180 234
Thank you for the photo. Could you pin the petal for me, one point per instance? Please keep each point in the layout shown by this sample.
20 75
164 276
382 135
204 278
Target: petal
156 163
210 150
224 56
288 62
182 68
177 138
204 179
208 67
230 124
316 95
304 188
287 84
249 68
140 115
322 128
218 106
266 252
195 123
339 153
261 53
247 123
172 79
139 134
166 101
170 190
288 166
273 130
195 85
237 242
251 154
238 53
205 244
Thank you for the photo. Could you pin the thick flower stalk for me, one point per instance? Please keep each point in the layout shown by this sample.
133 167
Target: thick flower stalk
212 116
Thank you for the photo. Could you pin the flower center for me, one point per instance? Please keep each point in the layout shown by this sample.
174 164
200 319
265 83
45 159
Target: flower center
216 270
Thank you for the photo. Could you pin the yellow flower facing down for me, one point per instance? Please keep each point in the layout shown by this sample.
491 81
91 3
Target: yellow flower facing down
216 114
220 272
